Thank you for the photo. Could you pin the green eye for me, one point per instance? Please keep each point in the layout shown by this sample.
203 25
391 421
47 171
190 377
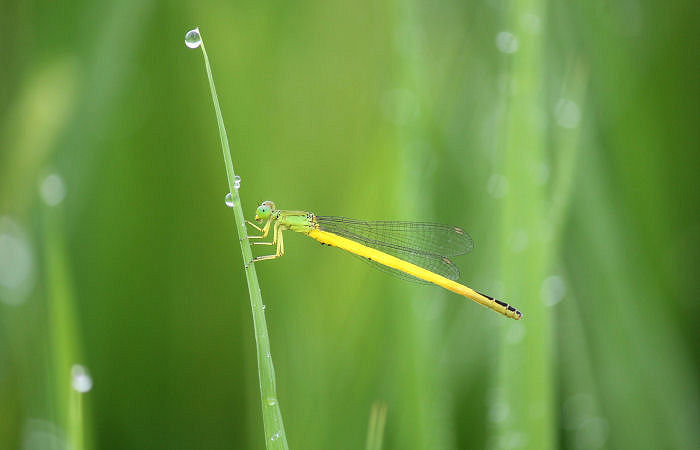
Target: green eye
263 211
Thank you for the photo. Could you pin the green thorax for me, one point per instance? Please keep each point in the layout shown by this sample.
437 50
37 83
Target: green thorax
299 221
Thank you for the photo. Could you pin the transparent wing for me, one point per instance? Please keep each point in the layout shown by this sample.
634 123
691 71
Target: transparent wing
424 244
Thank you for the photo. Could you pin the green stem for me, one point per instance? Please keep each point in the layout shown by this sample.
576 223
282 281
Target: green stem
526 376
63 327
275 437
75 430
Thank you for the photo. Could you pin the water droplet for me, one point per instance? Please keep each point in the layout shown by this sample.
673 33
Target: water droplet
268 355
515 333
497 186
263 307
519 241
592 433
82 382
553 290
16 263
236 182
42 434
506 42
576 410
506 84
272 401
193 39
229 200
499 411
275 436
497 289
540 173
629 17
432 310
567 113
52 190
514 439
531 23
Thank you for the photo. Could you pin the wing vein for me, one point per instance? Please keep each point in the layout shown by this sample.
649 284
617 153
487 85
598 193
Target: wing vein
424 244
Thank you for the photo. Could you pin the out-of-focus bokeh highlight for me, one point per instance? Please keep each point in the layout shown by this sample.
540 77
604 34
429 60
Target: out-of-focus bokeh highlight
562 136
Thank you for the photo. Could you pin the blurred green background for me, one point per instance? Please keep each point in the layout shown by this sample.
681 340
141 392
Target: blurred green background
562 136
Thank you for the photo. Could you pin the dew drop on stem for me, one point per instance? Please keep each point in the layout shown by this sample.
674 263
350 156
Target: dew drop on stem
193 39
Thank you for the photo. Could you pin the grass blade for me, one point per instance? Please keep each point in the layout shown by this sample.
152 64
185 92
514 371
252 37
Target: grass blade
275 437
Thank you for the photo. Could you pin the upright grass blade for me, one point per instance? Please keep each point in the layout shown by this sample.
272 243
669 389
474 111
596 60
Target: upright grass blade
525 384
420 387
68 408
275 437
377 422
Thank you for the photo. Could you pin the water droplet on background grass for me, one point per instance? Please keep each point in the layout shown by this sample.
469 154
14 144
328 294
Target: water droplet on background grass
567 113
81 380
497 186
499 411
52 189
515 333
519 241
531 23
506 42
553 290
16 263
540 173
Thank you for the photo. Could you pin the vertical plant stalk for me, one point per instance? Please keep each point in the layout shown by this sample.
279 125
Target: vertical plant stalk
526 384
421 387
526 376
63 331
75 430
377 422
275 437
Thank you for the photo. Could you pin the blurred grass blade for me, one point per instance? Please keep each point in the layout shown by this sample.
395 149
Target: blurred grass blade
568 111
525 384
68 411
377 422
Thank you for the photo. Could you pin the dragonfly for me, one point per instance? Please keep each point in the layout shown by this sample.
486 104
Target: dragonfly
416 251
